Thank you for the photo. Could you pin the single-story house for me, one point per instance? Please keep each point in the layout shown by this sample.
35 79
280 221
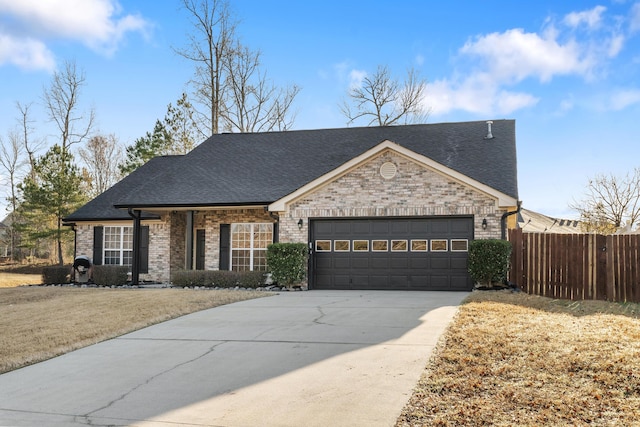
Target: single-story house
380 207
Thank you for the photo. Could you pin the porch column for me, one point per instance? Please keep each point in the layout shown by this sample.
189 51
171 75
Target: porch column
189 241
135 262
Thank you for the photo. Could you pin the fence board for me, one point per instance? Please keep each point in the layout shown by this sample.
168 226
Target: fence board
579 266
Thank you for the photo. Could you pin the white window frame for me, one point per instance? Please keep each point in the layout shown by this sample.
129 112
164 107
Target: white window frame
251 242
120 246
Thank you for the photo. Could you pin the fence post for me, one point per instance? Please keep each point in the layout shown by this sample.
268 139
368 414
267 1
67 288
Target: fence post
610 267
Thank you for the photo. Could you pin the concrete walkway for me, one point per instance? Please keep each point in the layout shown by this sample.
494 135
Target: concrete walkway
317 358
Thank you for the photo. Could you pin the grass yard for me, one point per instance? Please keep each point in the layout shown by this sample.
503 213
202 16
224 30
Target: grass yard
37 323
10 280
514 359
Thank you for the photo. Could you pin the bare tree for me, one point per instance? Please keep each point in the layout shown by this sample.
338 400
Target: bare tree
253 103
214 33
101 157
61 100
228 81
31 147
383 101
611 203
12 161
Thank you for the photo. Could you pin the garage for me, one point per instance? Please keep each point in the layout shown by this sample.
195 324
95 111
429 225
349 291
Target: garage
426 253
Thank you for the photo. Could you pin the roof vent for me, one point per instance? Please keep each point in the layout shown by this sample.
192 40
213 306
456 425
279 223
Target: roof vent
489 134
388 170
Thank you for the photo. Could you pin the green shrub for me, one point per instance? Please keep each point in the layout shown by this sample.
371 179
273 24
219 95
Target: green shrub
218 278
110 275
56 274
287 262
489 261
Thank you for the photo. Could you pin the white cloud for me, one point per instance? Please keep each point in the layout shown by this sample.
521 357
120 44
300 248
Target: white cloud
591 18
514 55
634 18
622 99
95 23
356 77
27 54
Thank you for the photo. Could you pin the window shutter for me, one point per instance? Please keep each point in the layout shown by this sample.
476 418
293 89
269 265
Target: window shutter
225 246
276 237
144 249
98 233
200 249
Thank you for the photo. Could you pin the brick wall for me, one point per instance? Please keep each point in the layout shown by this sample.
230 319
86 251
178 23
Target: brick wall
413 191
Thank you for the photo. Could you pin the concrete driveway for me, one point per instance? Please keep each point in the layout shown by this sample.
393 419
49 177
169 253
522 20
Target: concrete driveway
317 358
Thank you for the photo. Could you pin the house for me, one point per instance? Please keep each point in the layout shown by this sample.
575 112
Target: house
534 222
380 207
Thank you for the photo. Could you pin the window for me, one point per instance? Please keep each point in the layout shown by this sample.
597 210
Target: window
323 245
418 245
341 245
118 245
380 245
459 245
361 246
439 245
398 246
249 246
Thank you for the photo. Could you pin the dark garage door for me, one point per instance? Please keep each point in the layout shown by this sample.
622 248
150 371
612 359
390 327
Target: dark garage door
391 253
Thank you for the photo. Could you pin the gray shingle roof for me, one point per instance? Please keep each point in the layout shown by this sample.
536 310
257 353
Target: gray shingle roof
260 168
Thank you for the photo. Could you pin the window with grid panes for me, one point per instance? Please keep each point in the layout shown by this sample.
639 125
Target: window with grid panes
118 245
249 246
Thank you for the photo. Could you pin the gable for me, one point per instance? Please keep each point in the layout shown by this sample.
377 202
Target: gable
411 176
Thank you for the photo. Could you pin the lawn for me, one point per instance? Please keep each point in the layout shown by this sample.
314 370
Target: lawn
10 280
37 323
514 359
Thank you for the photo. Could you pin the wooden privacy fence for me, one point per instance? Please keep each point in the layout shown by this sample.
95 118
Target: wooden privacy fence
576 266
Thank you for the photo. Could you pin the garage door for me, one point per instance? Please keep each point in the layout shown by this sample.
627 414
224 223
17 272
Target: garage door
391 253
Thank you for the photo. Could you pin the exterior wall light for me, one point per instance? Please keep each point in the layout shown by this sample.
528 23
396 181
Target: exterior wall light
300 223
484 224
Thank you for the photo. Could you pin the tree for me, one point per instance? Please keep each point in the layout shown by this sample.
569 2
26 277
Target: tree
102 156
228 81
12 161
611 203
153 144
253 103
176 134
55 193
31 147
214 32
382 101
61 101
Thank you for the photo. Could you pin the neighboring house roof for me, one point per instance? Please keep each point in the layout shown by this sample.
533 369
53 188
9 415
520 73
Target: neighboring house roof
260 168
534 222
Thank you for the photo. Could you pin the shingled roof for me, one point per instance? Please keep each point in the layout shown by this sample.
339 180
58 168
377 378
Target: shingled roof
260 168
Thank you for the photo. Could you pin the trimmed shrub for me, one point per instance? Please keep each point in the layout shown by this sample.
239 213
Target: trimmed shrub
110 275
56 274
287 262
218 278
489 261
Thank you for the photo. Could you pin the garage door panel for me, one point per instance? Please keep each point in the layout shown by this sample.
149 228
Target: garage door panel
368 269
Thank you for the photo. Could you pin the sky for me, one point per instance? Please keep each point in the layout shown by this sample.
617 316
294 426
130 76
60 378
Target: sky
568 72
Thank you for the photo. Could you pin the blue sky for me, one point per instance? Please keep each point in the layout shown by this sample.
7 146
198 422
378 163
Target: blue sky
567 72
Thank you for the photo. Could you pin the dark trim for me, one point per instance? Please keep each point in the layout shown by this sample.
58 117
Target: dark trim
135 262
188 259
200 248
98 234
225 247
192 205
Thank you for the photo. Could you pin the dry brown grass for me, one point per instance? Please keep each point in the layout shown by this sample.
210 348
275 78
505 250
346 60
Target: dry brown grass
10 280
514 359
37 323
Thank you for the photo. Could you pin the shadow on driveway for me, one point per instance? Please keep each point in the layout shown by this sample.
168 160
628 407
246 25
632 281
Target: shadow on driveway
317 358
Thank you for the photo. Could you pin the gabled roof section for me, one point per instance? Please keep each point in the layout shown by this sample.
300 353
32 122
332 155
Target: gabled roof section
249 169
102 207
281 205
255 168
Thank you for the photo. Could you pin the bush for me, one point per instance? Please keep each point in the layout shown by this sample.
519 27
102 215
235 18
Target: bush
56 274
110 275
287 262
489 261
218 278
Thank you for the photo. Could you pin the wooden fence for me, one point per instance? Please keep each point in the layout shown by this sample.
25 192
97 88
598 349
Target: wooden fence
576 266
